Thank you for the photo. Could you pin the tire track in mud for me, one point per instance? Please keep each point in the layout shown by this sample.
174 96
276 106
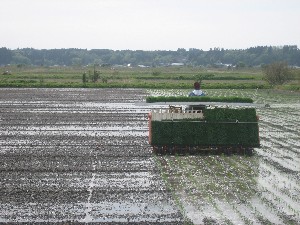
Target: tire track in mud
71 171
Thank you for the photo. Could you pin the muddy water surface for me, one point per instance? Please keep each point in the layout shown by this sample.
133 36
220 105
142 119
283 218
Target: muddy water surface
79 155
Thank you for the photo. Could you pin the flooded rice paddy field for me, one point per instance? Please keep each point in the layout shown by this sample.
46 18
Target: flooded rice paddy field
79 155
262 189
82 155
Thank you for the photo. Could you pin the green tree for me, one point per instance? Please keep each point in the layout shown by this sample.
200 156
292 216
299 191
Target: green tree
84 78
96 74
241 65
18 58
5 56
76 61
277 73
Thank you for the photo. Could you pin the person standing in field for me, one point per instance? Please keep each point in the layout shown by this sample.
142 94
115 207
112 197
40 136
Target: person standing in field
197 91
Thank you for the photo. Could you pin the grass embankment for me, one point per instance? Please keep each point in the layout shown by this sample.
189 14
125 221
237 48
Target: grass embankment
160 78
35 84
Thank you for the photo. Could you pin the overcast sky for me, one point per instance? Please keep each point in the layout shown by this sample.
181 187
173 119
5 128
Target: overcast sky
148 24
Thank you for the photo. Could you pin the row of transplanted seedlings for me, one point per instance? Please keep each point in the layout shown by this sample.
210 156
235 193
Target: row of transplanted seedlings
206 184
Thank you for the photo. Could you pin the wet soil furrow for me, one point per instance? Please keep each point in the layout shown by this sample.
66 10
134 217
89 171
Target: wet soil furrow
79 155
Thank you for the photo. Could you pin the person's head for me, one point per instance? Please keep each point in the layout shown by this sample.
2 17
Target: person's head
197 85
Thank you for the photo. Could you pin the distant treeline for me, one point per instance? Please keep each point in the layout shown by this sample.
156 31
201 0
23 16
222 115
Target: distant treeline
216 57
